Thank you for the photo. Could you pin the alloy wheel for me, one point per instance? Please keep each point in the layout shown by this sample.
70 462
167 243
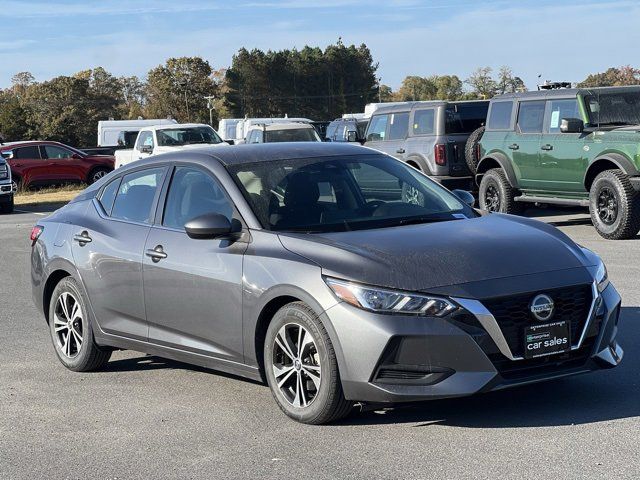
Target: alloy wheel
492 199
296 365
67 320
607 206
98 175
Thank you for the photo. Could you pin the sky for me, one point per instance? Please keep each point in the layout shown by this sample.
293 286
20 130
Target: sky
559 40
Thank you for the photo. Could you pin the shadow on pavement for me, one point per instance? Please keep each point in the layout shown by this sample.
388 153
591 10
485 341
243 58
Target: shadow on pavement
595 397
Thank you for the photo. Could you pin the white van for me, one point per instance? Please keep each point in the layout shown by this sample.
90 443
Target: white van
109 130
242 127
227 128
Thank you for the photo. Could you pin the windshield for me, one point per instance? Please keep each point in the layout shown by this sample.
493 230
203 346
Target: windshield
333 194
613 108
171 137
292 135
465 118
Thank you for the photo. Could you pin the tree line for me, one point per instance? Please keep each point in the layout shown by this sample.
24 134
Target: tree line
311 82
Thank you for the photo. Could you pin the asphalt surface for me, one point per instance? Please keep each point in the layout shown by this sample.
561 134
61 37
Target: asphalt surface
144 417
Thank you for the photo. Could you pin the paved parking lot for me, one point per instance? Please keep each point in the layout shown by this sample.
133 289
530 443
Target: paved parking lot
144 417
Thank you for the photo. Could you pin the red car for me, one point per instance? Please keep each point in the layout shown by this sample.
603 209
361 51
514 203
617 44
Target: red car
38 163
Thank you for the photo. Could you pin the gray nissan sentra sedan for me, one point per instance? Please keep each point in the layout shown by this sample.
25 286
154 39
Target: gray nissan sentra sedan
335 273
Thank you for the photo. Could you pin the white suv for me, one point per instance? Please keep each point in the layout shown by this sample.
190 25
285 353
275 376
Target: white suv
282 132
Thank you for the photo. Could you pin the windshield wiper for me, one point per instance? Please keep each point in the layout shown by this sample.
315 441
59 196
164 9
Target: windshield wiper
423 219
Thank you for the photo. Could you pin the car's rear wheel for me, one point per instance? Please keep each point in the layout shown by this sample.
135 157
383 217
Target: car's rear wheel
614 206
96 174
71 329
301 367
496 193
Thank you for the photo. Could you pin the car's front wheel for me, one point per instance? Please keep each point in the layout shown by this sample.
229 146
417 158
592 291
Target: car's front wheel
71 329
301 367
496 193
7 207
614 206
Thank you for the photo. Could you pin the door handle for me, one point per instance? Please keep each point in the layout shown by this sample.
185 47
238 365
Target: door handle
156 254
514 146
547 147
400 150
82 238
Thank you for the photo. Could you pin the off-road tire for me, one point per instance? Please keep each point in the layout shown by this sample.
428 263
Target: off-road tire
494 182
329 403
471 149
90 356
626 222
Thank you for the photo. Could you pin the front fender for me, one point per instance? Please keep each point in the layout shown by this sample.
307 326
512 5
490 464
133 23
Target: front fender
489 161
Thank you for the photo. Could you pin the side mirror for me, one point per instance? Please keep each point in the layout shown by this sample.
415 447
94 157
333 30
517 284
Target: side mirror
230 142
76 156
465 197
147 149
352 136
208 226
571 125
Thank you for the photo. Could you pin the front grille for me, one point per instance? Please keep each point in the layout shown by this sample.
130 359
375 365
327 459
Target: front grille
512 313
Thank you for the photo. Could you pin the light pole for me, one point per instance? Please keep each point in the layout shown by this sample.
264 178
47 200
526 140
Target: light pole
210 106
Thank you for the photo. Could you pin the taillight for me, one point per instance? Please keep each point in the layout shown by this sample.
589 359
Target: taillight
440 151
36 231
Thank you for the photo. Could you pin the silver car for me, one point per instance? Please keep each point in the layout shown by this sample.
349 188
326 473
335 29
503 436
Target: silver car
335 273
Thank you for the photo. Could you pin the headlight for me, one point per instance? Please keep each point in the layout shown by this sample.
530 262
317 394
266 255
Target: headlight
602 278
389 301
4 171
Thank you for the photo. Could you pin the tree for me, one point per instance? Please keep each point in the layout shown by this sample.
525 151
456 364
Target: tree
612 77
133 92
178 89
508 83
13 118
385 93
483 86
21 81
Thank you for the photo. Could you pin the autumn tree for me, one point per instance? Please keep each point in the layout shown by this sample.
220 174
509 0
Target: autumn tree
612 77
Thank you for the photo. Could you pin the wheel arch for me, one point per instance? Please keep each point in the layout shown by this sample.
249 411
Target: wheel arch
496 160
50 285
609 161
419 162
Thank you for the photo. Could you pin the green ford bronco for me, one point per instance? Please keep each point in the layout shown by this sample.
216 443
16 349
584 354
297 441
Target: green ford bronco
564 147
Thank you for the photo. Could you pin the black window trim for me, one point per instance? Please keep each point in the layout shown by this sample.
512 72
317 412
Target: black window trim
412 121
544 114
512 120
164 192
547 114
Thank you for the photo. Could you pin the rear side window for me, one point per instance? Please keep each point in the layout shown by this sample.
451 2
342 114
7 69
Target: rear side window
377 128
56 152
193 193
26 152
424 122
500 116
531 117
465 118
398 126
135 195
559 109
109 195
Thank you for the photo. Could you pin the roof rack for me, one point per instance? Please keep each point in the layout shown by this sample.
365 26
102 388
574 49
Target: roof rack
547 85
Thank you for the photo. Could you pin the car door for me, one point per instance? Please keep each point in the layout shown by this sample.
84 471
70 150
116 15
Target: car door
64 164
108 245
144 145
377 132
27 165
397 131
525 143
193 288
562 158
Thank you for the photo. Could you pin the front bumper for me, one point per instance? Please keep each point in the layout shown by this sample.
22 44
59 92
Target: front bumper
6 192
392 359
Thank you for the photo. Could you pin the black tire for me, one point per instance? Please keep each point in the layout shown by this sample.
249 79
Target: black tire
496 194
19 187
96 174
7 207
328 403
471 149
614 206
88 355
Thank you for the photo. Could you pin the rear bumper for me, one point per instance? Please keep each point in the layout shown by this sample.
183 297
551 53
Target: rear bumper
395 359
452 183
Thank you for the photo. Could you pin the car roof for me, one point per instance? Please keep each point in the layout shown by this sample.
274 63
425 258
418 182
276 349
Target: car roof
28 143
281 126
565 92
406 106
171 126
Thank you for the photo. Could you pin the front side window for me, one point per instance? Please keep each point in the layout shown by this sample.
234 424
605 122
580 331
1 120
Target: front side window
500 116
145 139
531 117
193 193
424 122
377 128
172 137
52 151
559 109
135 196
398 126
337 194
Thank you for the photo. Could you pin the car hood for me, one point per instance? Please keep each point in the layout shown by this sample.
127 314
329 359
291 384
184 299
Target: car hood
426 256
168 148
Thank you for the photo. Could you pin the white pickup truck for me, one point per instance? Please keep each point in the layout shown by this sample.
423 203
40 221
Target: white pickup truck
168 138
